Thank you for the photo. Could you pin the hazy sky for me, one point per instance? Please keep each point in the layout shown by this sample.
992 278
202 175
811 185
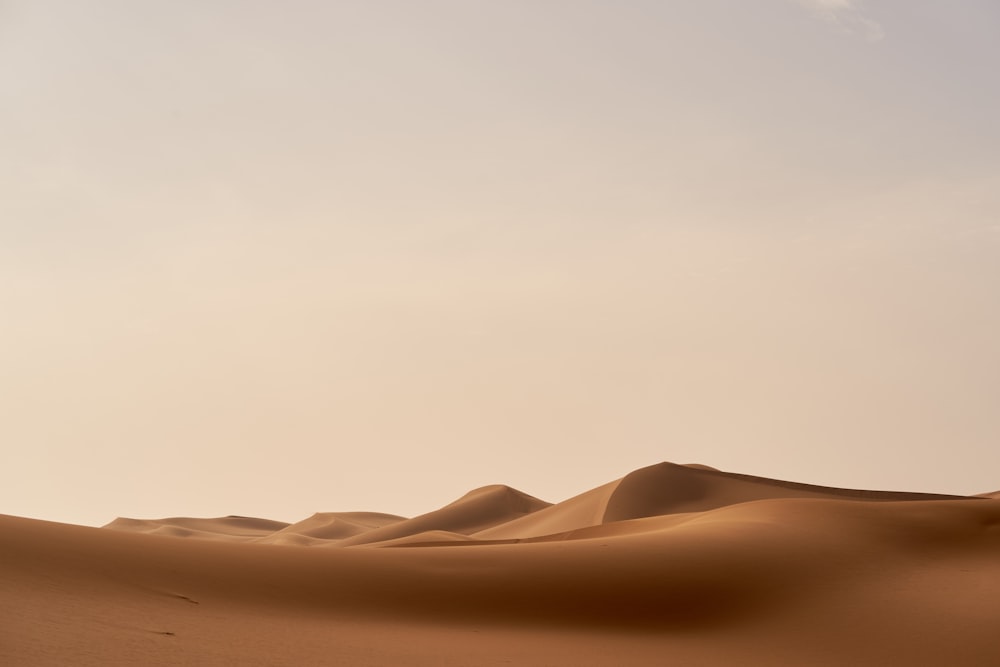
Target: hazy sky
271 258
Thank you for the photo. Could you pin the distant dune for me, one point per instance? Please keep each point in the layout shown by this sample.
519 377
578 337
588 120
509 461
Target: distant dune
235 528
475 511
670 564
323 527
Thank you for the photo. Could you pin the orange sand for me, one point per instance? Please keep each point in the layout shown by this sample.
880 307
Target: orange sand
671 564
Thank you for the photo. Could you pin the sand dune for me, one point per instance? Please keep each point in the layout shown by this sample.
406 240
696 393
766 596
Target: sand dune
667 488
475 511
667 565
324 526
499 513
236 528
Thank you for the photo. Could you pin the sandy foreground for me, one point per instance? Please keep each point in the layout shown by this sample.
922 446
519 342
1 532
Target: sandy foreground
670 565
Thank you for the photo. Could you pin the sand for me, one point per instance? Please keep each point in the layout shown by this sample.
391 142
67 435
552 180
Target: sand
669 565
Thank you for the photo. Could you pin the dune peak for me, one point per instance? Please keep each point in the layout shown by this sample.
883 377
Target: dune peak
501 492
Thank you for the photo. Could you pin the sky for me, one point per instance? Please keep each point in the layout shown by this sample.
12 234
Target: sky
269 259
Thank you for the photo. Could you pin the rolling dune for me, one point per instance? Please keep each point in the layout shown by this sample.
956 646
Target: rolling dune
475 511
323 527
667 565
667 488
235 528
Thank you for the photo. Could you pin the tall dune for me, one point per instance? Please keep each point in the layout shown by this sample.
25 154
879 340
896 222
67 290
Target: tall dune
668 488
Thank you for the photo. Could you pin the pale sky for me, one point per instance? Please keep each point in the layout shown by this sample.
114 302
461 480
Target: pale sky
272 258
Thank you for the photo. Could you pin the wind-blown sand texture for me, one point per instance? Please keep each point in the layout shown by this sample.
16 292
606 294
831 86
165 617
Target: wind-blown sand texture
670 565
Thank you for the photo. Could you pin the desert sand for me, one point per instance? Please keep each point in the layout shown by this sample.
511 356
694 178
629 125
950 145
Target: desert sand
669 565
